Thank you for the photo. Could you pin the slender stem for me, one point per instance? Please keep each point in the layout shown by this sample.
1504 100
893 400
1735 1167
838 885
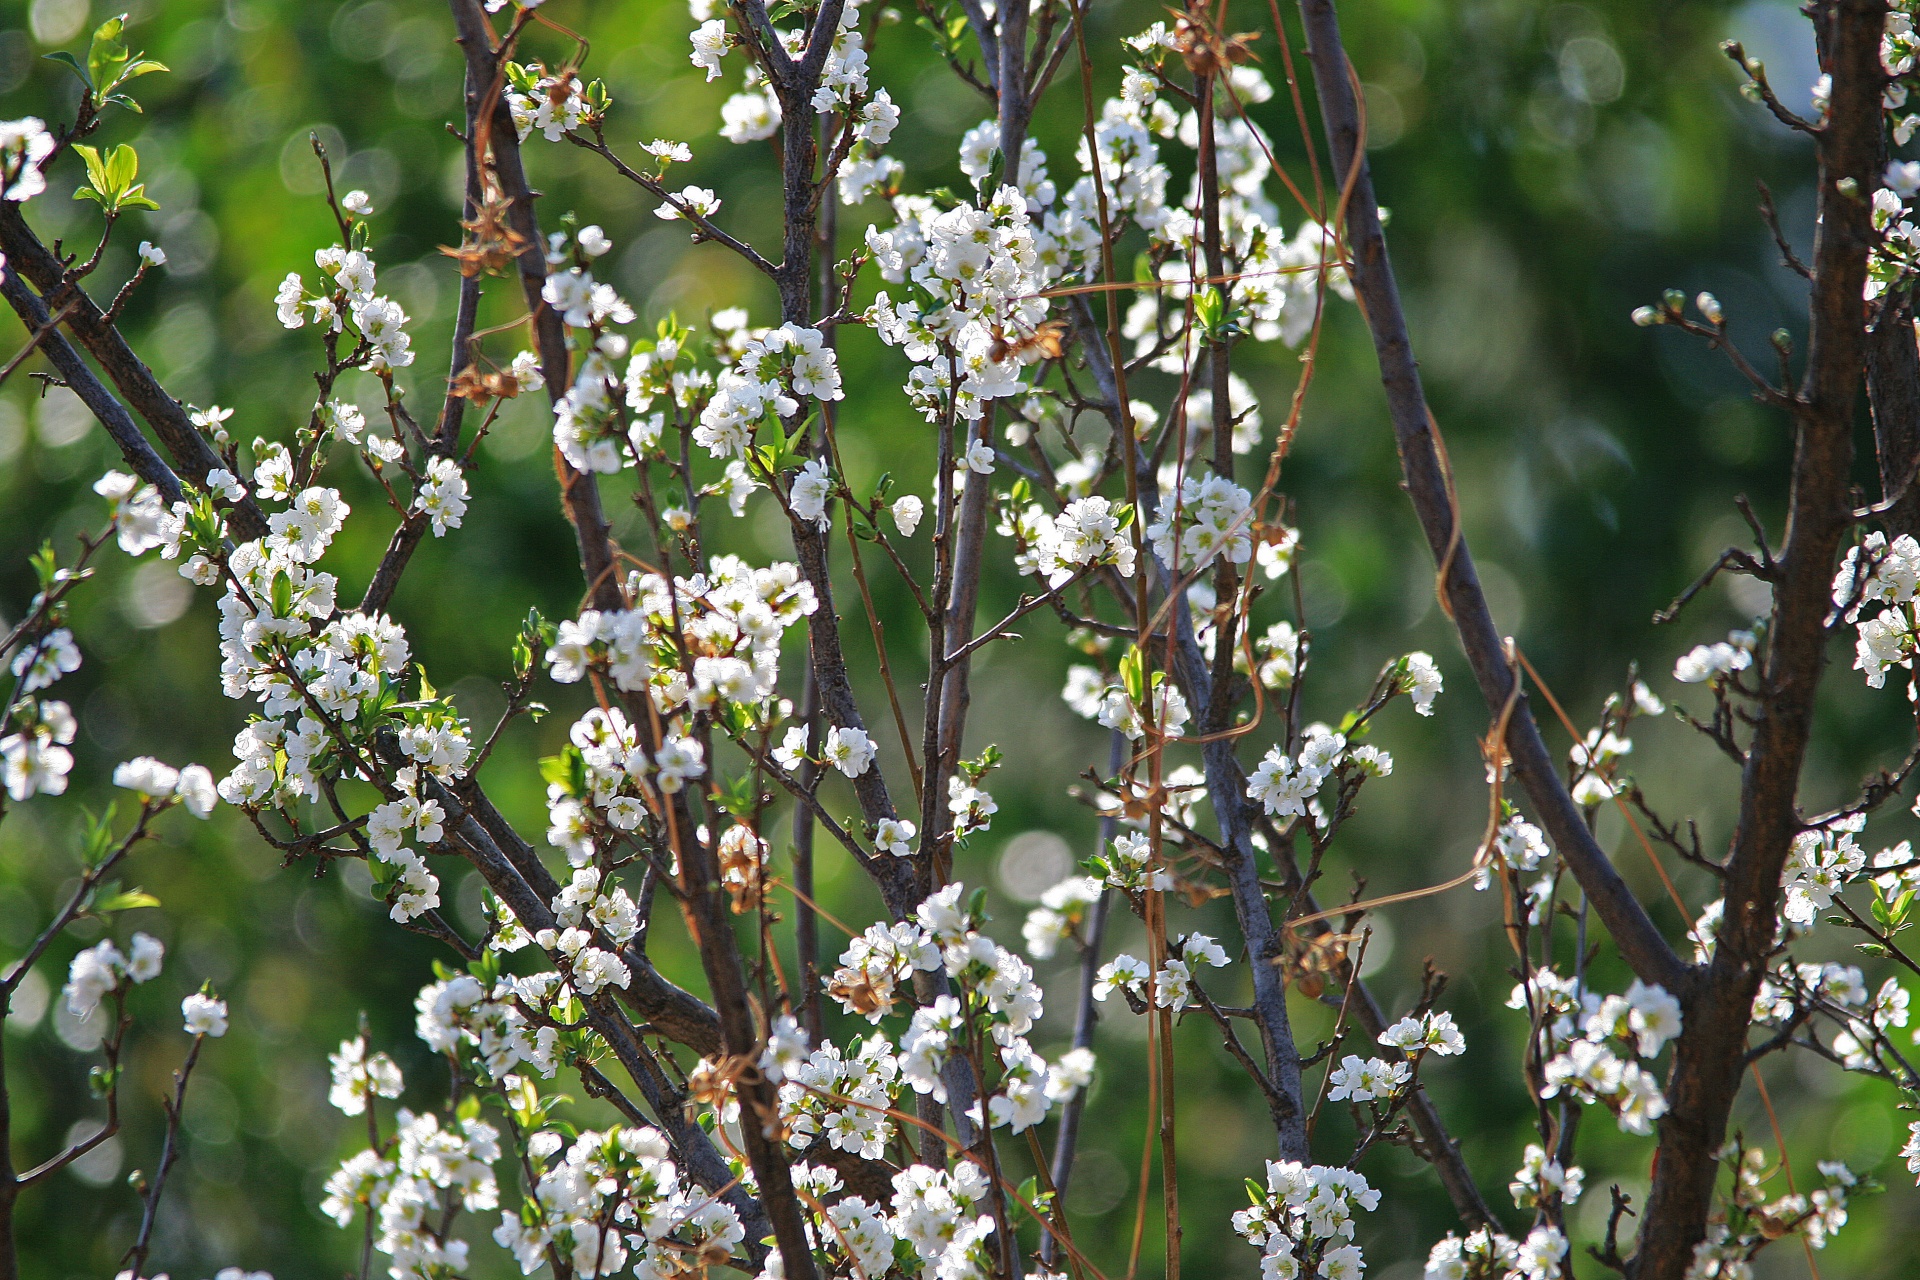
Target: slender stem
1428 484
136 1259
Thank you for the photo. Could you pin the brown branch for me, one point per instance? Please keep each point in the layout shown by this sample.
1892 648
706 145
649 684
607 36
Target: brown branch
80 379
1646 951
579 492
193 457
1893 392
1710 1054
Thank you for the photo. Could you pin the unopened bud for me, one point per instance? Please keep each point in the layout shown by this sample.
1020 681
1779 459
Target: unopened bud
1710 308
1645 316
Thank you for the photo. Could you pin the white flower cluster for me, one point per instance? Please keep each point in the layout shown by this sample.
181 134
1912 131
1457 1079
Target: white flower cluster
1129 865
406 1193
1840 991
1090 532
34 759
1303 1221
1217 518
1880 577
1539 1180
461 1015
44 659
202 1014
1486 1254
1277 280
974 271
1172 986
25 145
137 511
850 751
349 297
1286 786
1727 1252
359 1077
327 683
997 996
1518 845
1433 1033
324 681
1581 1030
1062 911
1820 863
103 969
841 1100
609 1201
1278 652
1422 681
733 618
777 371
551 104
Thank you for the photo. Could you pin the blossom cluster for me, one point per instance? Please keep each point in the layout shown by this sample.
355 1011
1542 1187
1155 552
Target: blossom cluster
1593 1046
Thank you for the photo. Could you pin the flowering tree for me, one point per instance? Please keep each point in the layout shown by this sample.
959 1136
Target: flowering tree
1089 419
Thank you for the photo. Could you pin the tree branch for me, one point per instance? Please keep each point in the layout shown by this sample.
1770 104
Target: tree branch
192 455
1646 951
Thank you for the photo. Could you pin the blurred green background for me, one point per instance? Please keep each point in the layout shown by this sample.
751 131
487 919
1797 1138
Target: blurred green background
1549 167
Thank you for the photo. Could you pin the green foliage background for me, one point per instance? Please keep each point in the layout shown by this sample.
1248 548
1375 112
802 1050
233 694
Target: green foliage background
1549 167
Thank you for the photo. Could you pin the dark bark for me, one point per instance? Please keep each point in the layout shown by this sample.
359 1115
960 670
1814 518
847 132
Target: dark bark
1645 950
1013 110
192 456
1226 793
1711 1053
1893 390
579 491
80 379
446 437
691 1146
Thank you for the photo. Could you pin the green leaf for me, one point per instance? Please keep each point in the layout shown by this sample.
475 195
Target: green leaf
1133 674
736 796
568 770
45 565
107 54
123 165
385 876
98 839
72 64
96 167
111 177
126 901
486 968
